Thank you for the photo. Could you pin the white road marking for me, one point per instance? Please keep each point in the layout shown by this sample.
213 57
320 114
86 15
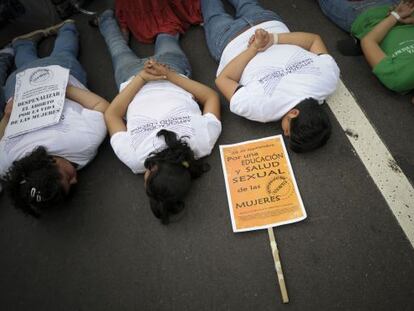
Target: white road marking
384 170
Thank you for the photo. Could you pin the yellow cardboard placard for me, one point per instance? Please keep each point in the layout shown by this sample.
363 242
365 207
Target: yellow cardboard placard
261 188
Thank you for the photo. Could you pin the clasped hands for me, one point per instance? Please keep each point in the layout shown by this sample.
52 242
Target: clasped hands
405 10
261 40
154 71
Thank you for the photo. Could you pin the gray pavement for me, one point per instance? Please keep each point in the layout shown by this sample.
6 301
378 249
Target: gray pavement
104 250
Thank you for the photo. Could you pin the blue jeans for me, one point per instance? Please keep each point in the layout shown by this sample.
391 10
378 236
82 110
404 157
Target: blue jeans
124 61
343 12
64 53
6 61
220 27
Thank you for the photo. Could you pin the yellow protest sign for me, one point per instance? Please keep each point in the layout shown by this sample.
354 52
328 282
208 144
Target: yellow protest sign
261 188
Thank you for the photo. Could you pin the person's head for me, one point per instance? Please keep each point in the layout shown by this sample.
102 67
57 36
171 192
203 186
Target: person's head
169 174
307 125
39 181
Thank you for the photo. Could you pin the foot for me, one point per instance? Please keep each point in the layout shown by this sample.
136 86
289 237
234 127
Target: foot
349 47
94 20
53 30
8 49
38 35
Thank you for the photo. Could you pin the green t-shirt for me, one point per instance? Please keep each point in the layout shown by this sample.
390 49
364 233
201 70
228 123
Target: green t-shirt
396 70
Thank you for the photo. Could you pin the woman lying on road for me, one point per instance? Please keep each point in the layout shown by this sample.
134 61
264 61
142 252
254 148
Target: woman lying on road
385 29
40 166
165 133
269 74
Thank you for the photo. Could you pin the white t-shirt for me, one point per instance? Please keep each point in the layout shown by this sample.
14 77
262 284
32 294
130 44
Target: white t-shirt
76 137
276 80
163 105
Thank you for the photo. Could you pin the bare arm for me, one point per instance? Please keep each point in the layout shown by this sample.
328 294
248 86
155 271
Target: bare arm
309 41
114 115
6 117
86 98
204 95
228 80
3 124
370 44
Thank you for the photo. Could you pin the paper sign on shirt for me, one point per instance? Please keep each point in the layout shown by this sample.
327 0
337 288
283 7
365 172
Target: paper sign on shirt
38 99
261 187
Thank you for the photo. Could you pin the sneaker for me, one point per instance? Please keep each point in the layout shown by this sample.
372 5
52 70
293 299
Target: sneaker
8 49
95 19
39 34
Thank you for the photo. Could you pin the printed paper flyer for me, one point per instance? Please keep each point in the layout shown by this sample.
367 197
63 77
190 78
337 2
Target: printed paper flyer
38 99
261 188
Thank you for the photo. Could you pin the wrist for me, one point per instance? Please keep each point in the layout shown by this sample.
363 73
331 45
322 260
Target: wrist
252 48
275 38
139 75
169 74
395 15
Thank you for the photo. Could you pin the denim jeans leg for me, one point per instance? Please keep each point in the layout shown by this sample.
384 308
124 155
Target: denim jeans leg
216 23
124 61
343 12
25 52
169 52
67 41
65 51
6 61
253 12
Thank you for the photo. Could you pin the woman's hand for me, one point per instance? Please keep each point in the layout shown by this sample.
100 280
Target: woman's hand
261 40
148 76
156 69
405 9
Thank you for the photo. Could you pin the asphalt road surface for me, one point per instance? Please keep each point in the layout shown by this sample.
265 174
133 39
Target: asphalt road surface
104 250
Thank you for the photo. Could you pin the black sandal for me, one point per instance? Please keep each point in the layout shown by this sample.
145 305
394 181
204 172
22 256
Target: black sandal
349 47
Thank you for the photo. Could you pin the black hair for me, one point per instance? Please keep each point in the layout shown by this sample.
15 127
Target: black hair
172 171
311 129
33 182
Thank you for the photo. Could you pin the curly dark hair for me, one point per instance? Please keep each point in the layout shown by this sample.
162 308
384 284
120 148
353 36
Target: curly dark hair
311 129
33 182
172 171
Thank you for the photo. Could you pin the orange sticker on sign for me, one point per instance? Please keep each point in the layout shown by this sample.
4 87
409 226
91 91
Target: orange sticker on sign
261 187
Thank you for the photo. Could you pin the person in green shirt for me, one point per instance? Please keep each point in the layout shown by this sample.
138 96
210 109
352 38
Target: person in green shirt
385 29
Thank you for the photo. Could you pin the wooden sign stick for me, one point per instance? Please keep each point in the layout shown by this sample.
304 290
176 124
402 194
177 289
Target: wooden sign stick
278 266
